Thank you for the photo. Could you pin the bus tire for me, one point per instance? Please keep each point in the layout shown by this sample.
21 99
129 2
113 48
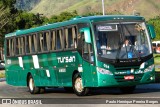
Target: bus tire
32 88
128 89
78 86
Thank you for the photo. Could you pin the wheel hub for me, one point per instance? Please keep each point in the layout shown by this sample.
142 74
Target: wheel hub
79 85
31 84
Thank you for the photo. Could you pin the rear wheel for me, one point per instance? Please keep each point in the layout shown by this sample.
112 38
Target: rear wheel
32 88
78 86
128 90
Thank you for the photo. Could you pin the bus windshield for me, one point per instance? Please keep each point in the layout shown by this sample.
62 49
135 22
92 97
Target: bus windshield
123 40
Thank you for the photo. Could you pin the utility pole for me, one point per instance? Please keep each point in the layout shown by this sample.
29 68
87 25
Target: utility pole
103 7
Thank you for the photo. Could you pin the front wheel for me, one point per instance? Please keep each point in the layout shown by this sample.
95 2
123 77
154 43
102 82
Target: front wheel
32 88
128 90
78 86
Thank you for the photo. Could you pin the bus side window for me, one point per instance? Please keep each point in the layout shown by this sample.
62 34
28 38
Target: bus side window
31 47
70 37
46 41
19 45
31 44
53 40
22 45
27 44
40 42
59 40
10 47
74 37
87 51
34 43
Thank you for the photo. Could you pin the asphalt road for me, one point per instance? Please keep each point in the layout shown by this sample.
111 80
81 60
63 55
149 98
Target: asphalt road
149 90
142 91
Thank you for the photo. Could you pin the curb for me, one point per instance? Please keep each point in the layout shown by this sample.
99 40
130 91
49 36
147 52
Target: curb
2 79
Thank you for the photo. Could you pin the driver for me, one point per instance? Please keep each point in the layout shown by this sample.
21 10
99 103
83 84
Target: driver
126 43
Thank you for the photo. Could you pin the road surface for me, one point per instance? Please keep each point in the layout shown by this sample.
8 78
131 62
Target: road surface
149 90
141 92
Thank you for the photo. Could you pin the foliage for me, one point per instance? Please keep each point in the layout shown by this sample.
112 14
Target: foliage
7 12
26 20
62 17
16 19
157 59
156 23
2 75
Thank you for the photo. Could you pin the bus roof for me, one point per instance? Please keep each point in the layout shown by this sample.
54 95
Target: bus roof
74 21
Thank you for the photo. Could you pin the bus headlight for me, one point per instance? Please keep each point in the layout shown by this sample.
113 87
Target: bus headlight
149 69
104 71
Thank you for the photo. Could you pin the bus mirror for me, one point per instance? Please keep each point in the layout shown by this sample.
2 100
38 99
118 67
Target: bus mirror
151 31
87 34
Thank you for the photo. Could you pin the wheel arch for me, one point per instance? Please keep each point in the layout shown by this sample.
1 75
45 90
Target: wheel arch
74 72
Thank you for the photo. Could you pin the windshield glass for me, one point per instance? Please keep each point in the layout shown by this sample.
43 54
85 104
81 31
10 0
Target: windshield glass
122 40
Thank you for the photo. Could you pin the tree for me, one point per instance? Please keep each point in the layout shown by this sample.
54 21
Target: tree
156 23
63 17
6 9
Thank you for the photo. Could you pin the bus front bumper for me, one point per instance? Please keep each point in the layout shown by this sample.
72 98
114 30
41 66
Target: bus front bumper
120 81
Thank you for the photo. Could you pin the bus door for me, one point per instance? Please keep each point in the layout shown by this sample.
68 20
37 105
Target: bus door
88 62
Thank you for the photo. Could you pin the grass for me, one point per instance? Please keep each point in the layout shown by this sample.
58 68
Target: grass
157 61
2 75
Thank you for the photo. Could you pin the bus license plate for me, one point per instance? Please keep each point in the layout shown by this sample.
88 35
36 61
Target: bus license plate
131 77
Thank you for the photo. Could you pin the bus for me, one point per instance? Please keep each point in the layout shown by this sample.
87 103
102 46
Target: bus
81 54
156 46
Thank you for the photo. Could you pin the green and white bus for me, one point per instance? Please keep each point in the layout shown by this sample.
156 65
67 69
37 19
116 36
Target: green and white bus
82 53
